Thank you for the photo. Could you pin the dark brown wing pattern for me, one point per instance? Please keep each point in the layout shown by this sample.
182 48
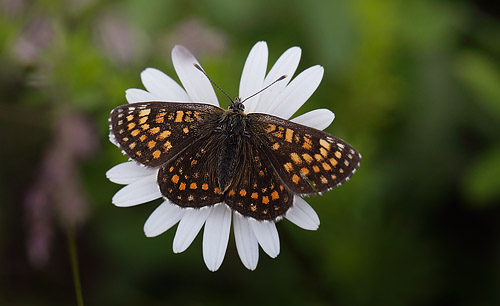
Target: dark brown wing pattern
306 159
153 132
189 179
256 190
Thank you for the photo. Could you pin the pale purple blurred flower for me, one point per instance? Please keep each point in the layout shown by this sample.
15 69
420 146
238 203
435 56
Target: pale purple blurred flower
56 192
13 8
36 36
201 39
119 39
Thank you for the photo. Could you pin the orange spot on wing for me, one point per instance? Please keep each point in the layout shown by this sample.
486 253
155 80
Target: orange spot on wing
175 179
318 157
164 135
144 112
167 146
156 154
326 166
325 144
307 158
265 200
178 116
254 195
193 186
143 120
151 144
271 128
182 186
275 195
296 158
288 135
323 152
288 167
278 134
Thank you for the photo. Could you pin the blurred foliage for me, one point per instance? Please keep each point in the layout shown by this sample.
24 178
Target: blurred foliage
415 86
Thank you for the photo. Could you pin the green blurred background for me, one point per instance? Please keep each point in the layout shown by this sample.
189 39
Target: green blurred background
415 86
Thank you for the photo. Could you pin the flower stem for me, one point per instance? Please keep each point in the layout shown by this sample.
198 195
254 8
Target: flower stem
70 232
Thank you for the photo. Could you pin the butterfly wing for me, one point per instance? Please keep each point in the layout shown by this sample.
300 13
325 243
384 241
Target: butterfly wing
189 179
257 191
307 160
151 133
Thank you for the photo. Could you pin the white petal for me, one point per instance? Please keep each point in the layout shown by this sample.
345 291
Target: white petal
128 172
246 242
252 77
141 191
162 86
196 84
188 228
134 95
319 118
216 236
285 65
297 92
163 217
112 139
267 236
303 215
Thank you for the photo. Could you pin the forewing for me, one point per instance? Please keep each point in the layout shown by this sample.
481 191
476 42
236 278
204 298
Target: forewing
151 133
189 179
308 160
257 190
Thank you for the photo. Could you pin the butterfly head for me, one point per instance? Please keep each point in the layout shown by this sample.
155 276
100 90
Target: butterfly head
237 105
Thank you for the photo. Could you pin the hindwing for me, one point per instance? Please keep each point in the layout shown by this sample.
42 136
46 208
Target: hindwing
257 190
189 179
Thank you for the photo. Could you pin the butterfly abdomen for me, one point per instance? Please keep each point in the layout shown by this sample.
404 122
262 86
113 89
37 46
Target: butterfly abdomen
232 129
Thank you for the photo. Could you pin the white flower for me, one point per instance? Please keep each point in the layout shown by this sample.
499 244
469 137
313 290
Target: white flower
282 99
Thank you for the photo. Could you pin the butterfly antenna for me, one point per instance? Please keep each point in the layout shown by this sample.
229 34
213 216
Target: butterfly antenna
258 92
199 68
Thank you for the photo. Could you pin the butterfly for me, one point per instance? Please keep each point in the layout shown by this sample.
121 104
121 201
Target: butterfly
253 162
